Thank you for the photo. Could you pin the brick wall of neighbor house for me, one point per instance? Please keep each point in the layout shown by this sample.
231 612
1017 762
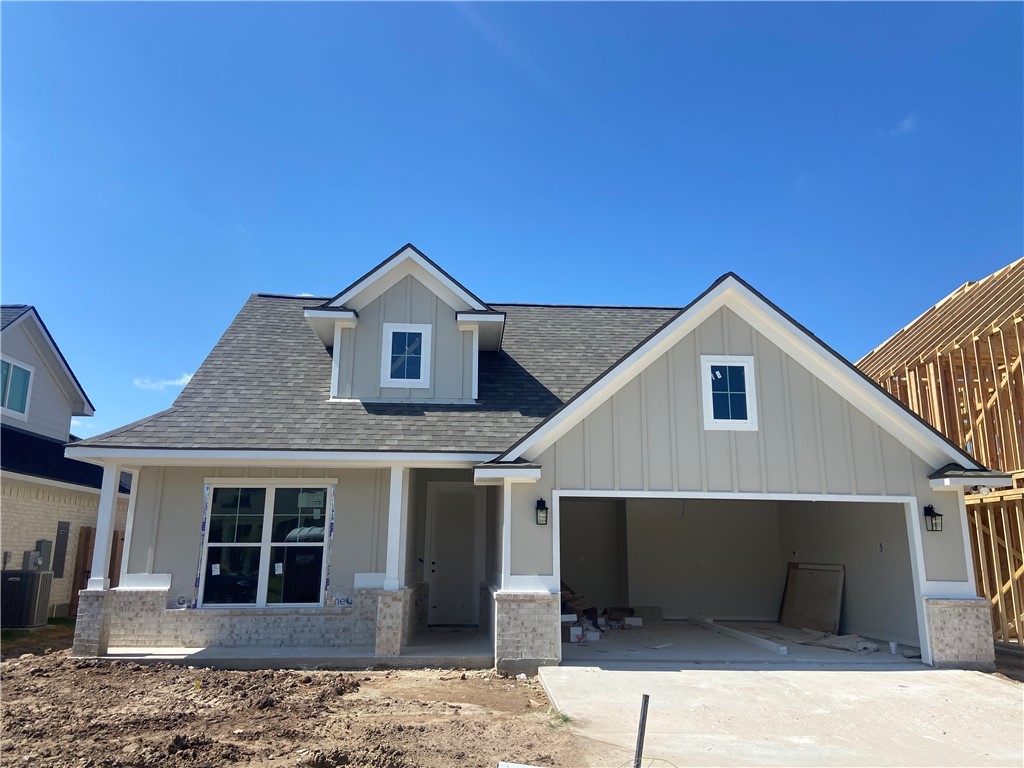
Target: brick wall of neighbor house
139 618
528 634
31 511
960 633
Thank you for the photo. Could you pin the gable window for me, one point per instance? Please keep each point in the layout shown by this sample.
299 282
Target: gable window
405 358
265 546
15 384
730 402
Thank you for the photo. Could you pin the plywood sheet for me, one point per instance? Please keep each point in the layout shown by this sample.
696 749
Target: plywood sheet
813 598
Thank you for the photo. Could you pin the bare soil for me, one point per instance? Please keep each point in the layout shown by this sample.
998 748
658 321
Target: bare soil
61 711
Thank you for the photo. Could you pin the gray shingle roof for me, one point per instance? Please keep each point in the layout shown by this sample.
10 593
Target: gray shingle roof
265 385
11 312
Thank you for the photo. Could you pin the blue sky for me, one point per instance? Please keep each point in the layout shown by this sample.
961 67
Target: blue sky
855 162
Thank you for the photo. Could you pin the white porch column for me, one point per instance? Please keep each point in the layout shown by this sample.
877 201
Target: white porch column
398 526
105 527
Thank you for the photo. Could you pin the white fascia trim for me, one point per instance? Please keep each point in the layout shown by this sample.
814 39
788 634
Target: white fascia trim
479 318
18 476
87 410
379 280
197 458
738 496
957 483
495 475
803 348
345 316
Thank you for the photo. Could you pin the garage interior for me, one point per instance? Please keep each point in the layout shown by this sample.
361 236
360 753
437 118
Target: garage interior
679 562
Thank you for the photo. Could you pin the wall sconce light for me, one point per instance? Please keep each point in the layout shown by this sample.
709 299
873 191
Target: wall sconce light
932 519
542 512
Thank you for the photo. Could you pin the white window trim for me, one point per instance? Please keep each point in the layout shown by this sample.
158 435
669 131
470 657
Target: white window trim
423 382
28 398
270 485
734 425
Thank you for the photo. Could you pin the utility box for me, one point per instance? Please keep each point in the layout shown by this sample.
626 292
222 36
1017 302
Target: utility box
24 598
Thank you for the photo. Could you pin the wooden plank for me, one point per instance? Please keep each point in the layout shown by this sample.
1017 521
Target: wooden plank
1015 596
83 565
736 634
116 549
1001 633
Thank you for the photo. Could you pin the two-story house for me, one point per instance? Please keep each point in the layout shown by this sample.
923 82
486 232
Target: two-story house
43 495
359 469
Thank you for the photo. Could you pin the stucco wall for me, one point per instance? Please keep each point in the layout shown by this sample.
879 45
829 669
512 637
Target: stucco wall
168 514
408 301
49 412
31 511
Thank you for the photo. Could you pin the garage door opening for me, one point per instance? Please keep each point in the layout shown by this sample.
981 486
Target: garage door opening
679 562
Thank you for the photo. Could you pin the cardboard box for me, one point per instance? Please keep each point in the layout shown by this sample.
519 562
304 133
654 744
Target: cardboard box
571 634
568 618
592 635
633 621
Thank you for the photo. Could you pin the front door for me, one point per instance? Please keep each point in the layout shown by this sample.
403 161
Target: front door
454 564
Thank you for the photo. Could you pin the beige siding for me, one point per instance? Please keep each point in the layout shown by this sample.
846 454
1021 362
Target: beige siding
166 535
49 412
649 436
408 301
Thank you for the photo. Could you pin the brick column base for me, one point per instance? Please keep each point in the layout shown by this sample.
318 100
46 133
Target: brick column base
92 626
392 629
960 633
527 632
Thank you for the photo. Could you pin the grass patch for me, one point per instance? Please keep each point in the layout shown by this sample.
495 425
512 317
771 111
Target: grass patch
560 717
57 635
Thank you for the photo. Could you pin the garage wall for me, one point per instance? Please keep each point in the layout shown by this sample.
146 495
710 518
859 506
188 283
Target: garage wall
871 541
594 551
705 557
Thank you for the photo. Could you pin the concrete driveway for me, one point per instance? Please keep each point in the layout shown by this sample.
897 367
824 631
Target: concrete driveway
822 716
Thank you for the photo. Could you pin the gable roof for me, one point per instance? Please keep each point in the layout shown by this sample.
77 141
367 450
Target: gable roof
238 399
407 255
807 349
16 314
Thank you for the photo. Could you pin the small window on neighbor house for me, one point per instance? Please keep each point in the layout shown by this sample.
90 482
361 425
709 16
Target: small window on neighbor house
728 392
14 387
405 358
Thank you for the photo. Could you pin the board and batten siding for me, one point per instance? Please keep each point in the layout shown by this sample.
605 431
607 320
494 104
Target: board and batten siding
49 412
650 436
166 531
408 301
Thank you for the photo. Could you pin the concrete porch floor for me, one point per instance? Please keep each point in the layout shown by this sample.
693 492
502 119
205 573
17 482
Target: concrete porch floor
682 643
449 649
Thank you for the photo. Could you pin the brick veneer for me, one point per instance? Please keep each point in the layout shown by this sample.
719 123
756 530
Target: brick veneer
31 511
960 632
527 632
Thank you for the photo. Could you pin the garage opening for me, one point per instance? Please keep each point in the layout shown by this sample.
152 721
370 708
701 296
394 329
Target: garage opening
675 564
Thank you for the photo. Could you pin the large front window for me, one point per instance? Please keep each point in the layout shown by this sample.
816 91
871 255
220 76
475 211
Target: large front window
265 546
405 358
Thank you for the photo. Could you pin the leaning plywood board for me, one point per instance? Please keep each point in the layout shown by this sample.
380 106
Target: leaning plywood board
813 598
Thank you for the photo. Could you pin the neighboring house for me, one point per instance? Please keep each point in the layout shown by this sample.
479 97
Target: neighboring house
43 495
960 367
356 469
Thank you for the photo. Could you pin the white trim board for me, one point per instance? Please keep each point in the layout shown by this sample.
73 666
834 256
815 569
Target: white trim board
798 344
197 458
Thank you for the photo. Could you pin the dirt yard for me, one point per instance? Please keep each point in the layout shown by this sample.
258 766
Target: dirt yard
60 711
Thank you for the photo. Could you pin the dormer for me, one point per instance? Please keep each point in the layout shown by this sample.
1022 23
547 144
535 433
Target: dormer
406 331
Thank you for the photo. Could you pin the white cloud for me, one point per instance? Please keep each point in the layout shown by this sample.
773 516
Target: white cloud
905 126
306 294
160 385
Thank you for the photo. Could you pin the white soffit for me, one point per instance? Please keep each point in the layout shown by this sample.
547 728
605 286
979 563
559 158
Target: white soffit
324 321
784 333
407 262
490 326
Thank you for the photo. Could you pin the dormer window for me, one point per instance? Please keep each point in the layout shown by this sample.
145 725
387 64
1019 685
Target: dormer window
15 387
405 356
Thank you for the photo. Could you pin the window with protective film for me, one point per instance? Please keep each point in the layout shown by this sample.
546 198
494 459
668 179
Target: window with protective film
405 356
729 395
265 546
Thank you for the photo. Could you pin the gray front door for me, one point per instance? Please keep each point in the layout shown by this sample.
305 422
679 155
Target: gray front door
455 520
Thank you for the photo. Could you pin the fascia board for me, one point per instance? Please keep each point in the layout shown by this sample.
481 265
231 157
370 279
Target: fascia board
862 394
201 457
379 281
